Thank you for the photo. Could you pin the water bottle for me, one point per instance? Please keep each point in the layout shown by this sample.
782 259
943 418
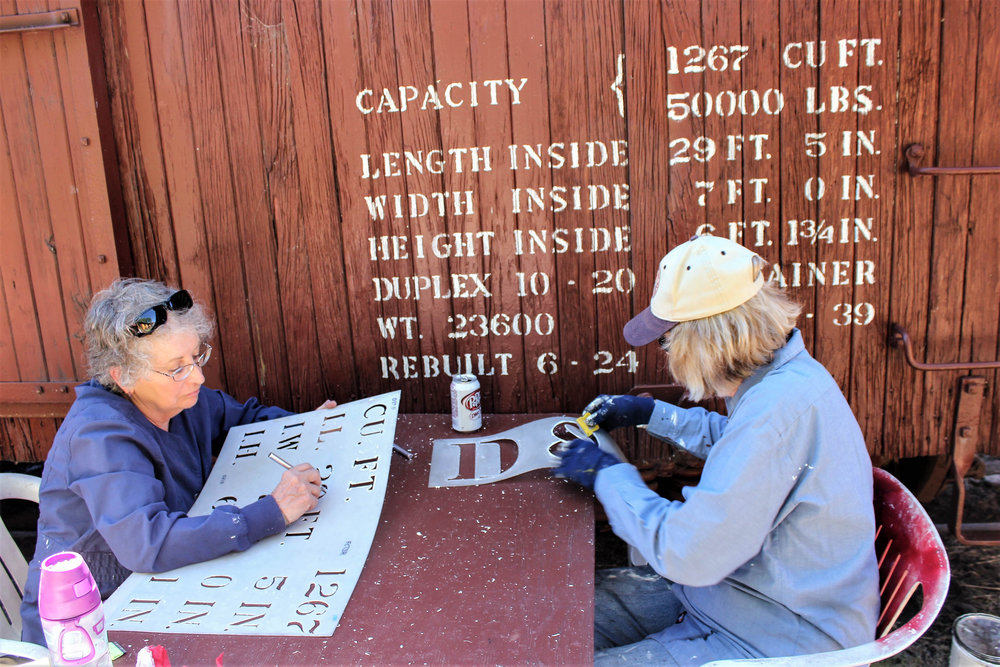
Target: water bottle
72 616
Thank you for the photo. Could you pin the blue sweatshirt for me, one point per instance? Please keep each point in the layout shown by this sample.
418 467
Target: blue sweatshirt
116 489
774 547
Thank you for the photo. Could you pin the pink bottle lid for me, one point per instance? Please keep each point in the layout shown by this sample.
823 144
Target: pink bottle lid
66 589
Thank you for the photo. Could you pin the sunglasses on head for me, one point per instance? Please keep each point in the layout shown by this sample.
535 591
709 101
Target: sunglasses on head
149 319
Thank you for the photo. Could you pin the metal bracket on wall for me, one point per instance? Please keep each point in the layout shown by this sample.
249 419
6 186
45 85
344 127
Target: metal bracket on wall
971 393
915 154
60 18
965 436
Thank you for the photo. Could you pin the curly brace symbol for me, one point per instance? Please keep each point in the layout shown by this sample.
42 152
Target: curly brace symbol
616 85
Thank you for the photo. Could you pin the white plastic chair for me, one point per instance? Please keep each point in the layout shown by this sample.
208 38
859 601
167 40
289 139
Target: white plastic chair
910 556
14 573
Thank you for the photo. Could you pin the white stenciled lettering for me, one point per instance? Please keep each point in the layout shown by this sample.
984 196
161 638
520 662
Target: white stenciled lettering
419 205
833 273
741 230
576 240
733 192
559 198
388 326
474 159
851 230
412 367
451 286
814 54
572 155
437 96
735 143
441 246
717 58
840 99
501 324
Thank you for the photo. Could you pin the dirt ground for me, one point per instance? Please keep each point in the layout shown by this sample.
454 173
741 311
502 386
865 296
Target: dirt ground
975 571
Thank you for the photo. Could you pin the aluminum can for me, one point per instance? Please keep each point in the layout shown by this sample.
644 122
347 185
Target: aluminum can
466 413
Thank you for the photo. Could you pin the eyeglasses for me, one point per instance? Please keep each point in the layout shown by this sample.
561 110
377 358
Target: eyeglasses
151 318
181 373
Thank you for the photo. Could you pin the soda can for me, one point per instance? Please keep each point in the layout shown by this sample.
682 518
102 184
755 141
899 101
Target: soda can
466 413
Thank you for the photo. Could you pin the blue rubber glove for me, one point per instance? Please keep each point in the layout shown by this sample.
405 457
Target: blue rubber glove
581 461
610 412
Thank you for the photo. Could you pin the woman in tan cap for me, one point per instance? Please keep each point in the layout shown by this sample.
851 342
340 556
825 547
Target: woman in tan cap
772 552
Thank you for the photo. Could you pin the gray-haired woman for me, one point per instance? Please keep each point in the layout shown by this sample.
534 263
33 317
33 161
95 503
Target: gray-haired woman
136 448
772 552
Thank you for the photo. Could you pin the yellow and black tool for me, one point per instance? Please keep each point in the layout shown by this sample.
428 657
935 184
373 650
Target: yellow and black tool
587 428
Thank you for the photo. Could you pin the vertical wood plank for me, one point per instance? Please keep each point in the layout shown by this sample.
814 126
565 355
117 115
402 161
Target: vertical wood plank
174 119
229 292
528 43
93 166
492 128
613 367
981 304
654 226
376 53
22 358
800 25
569 121
295 334
919 49
762 186
869 350
424 59
247 41
324 298
343 34
950 222
836 92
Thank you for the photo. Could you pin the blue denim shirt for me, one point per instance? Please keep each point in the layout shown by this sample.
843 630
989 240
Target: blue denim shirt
774 547
116 489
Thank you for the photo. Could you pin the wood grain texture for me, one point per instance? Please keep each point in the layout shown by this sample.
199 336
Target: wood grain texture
375 195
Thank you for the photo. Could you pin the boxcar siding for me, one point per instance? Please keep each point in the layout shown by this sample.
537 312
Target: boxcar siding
374 195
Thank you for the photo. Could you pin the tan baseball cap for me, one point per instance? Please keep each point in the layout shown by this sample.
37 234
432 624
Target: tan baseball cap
704 276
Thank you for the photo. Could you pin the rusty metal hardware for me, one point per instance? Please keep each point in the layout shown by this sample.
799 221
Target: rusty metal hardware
971 395
965 435
915 154
60 18
898 336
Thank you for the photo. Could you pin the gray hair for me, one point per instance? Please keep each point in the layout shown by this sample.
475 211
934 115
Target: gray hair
111 344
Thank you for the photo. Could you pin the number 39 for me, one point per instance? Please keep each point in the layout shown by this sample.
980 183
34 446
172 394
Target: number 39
857 314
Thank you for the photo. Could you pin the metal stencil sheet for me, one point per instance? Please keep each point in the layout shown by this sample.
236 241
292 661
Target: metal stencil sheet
535 443
294 583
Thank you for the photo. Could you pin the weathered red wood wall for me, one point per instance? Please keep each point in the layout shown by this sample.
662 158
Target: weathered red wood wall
373 195
57 219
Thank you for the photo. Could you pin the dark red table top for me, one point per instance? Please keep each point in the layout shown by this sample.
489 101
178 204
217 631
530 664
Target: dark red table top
482 575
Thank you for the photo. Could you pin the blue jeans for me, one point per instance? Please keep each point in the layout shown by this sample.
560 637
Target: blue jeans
632 603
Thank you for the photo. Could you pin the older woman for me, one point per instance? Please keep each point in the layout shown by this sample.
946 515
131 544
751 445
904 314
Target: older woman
772 552
136 448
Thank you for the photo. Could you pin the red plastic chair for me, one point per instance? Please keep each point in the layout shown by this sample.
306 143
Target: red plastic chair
910 556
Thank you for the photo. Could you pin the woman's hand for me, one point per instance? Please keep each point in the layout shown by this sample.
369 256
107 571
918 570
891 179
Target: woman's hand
328 404
298 491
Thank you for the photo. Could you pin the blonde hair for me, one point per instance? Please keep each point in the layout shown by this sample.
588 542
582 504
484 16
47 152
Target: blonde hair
708 355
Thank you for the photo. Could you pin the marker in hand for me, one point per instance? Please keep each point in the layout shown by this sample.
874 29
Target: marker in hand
280 461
